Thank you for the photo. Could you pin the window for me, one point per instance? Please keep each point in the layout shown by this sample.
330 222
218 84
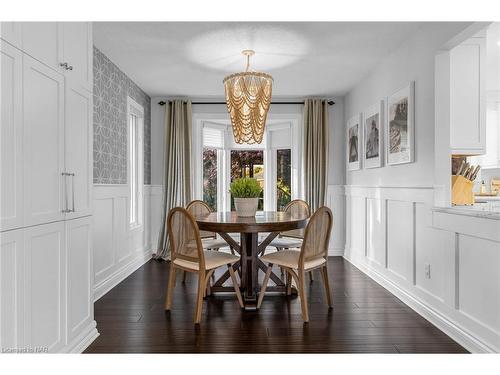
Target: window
248 163
283 178
219 160
135 115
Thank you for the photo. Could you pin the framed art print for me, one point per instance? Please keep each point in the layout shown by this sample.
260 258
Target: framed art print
354 142
373 136
400 129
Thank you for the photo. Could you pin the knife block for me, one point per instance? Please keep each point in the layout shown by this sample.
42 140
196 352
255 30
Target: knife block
461 191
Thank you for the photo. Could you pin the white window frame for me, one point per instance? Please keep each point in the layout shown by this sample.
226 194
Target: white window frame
276 121
135 109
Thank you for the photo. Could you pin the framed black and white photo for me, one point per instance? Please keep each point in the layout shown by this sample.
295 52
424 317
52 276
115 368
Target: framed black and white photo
354 143
373 136
400 129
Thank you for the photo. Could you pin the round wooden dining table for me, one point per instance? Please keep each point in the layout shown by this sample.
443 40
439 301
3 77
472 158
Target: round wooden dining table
249 247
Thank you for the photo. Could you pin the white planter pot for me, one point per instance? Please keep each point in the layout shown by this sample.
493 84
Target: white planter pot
246 207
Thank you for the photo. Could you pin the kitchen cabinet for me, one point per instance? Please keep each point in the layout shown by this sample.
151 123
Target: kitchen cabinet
46 268
468 97
491 158
11 138
78 151
65 47
43 113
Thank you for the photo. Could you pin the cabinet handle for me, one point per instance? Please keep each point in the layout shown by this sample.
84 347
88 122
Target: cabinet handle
70 67
64 65
65 210
73 192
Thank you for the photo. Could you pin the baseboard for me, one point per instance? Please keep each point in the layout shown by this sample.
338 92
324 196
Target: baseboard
449 327
82 341
336 252
117 277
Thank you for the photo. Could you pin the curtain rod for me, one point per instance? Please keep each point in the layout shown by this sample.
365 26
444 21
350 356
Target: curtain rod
330 102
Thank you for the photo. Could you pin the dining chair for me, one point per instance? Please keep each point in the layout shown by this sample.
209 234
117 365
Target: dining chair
312 255
292 238
209 239
187 254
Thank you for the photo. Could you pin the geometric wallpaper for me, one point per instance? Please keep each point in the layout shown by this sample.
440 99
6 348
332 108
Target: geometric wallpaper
111 88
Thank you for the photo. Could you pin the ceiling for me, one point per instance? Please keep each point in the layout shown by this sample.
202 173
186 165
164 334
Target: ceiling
305 58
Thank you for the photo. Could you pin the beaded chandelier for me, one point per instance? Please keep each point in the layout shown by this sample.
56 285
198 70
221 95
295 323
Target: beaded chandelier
248 97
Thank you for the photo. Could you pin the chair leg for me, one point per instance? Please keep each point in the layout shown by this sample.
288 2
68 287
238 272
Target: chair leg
170 287
288 283
311 276
324 272
199 299
302 293
232 250
184 274
235 285
264 285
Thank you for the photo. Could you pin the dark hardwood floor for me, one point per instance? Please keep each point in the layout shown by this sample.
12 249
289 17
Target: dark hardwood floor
366 318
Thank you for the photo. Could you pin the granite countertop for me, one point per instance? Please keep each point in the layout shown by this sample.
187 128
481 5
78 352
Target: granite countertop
469 211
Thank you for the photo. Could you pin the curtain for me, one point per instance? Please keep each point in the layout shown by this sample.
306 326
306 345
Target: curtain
315 152
177 165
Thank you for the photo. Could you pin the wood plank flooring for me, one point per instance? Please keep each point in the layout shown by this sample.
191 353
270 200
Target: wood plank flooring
366 318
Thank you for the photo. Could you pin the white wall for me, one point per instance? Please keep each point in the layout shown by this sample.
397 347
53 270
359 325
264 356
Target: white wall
413 61
390 233
118 250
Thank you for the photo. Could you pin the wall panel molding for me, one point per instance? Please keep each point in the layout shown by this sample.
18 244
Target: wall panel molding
438 263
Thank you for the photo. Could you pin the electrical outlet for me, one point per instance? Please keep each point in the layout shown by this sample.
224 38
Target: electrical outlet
427 268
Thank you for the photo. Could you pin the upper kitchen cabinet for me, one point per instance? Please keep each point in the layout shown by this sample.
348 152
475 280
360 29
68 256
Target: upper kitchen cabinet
63 46
77 52
468 97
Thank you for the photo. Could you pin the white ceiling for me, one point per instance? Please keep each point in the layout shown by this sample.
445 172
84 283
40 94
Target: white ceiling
192 58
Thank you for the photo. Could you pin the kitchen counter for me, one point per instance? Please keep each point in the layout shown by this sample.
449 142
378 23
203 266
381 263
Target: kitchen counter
469 211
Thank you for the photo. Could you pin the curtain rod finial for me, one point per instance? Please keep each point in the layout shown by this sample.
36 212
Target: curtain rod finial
162 103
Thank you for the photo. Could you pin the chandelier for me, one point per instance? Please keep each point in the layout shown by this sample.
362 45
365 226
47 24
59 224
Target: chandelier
248 96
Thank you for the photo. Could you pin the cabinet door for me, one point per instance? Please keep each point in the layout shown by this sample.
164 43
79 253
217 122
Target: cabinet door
11 289
77 52
42 41
79 142
11 138
45 293
467 97
43 112
79 276
12 33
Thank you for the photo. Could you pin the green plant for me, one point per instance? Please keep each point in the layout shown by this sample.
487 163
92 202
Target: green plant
245 188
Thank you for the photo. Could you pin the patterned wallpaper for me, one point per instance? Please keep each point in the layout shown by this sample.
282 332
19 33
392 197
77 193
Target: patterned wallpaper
111 88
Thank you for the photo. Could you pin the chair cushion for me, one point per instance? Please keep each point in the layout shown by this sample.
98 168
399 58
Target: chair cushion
290 259
213 259
286 242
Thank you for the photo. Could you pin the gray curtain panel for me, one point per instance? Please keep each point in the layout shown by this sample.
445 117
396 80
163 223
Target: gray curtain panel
315 152
177 167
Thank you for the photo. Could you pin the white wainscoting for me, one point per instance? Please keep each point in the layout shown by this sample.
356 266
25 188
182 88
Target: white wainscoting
390 236
118 249
335 200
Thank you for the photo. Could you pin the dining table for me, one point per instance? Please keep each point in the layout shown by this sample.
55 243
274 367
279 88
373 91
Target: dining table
270 223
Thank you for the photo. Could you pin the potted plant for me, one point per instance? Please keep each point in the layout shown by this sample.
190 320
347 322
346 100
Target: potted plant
246 193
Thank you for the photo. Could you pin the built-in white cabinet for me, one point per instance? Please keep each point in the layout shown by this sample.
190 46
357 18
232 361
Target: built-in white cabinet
11 138
468 97
46 268
43 114
46 280
79 276
65 47
78 151
491 158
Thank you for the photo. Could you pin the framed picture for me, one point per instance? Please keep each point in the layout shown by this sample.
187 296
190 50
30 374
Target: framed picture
400 129
354 142
373 136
